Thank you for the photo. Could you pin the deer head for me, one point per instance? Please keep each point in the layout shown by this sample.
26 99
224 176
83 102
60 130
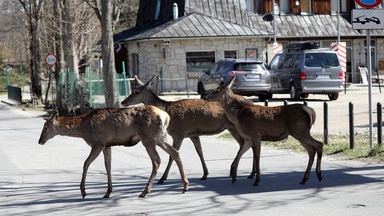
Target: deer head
222 92
49 129
141 93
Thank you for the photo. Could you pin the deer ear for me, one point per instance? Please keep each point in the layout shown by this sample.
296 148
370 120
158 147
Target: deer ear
231 81
150 82
139 81
54 116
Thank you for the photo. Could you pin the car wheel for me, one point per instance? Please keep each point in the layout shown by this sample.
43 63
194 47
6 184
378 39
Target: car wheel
262 98
304 96
202 91
333 96
293 92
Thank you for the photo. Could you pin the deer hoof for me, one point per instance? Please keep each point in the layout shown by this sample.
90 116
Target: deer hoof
303 181
83 194
319 176
233 179
142 195
161 181
106 196
204 177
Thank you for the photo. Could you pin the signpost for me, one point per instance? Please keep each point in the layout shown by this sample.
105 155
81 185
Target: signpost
51 60
368 19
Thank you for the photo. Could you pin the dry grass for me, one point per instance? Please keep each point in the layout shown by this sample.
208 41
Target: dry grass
338 146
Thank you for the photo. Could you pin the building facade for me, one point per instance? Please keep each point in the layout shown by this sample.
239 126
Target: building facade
179 41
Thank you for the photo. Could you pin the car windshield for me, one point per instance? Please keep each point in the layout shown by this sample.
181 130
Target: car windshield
321 60
248 67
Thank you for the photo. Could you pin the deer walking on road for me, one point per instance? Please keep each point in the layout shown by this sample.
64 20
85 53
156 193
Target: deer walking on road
103 128
259 123
189 118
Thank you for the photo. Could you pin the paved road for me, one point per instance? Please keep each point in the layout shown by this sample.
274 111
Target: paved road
44 180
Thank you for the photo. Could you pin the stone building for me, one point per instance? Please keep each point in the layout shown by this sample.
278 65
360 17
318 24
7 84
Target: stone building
179 40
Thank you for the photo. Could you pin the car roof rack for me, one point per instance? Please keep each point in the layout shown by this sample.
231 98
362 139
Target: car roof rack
301 46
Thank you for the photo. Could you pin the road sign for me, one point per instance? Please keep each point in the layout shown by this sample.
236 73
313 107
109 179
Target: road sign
9 69
368 3
50 59
368 18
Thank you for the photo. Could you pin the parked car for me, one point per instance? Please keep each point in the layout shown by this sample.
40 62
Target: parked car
252 78
303 69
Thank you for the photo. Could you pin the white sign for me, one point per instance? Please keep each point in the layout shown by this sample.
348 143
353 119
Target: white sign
50 59
367 19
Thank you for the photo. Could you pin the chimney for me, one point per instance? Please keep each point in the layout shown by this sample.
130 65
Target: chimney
175 11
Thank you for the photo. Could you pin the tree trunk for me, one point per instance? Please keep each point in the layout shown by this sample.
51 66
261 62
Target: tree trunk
107 51
59 50
35 61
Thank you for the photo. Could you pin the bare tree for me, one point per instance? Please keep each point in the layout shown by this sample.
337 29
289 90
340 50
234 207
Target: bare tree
108 16
32 10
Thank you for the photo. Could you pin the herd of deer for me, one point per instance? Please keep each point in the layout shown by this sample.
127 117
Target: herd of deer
249 124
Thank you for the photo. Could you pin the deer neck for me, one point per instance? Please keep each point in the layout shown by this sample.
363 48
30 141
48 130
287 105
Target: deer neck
231 107
153 99
69 126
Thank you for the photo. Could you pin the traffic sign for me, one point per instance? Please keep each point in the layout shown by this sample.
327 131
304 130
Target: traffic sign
368 18
50 59
368 3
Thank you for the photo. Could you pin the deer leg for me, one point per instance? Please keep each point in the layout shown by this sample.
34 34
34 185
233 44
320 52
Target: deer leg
311 154
319 149
155 158
107 161
240 140
176 144
176 156
199 150
256 157
95 151
235 163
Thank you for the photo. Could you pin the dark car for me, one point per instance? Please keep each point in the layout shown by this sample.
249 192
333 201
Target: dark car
252 78
303 69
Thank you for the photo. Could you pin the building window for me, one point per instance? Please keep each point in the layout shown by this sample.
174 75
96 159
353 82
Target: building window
305 6
230 54
254 6
345 6
198 61
252 53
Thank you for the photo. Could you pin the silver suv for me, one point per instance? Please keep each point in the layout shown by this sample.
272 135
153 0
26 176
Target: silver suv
303 69
252 78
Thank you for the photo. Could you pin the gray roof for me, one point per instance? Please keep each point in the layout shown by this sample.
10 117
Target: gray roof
289 26
189 27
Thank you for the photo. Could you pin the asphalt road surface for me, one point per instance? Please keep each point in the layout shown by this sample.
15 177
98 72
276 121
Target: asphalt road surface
44 180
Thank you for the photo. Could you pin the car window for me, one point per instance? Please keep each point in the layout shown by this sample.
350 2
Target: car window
321 60
275 62
296 61
288 60
228 66
248 67
213 68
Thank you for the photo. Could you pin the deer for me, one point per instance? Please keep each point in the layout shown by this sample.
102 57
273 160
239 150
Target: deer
259 123
190 118
103 128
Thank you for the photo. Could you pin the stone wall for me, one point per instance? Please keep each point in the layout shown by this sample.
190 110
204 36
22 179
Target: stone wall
157 56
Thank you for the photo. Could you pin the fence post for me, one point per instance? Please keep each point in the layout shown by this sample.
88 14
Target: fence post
67 86
351 127
125 80
186 85
90 86
325 122
118 89
161 79
379 123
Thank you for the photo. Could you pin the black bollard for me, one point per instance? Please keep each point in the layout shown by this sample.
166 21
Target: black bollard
266 103
351 129
325 122
379 124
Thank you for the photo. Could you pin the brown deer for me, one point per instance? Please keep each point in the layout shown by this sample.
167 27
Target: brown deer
103 128
189 118
259 123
